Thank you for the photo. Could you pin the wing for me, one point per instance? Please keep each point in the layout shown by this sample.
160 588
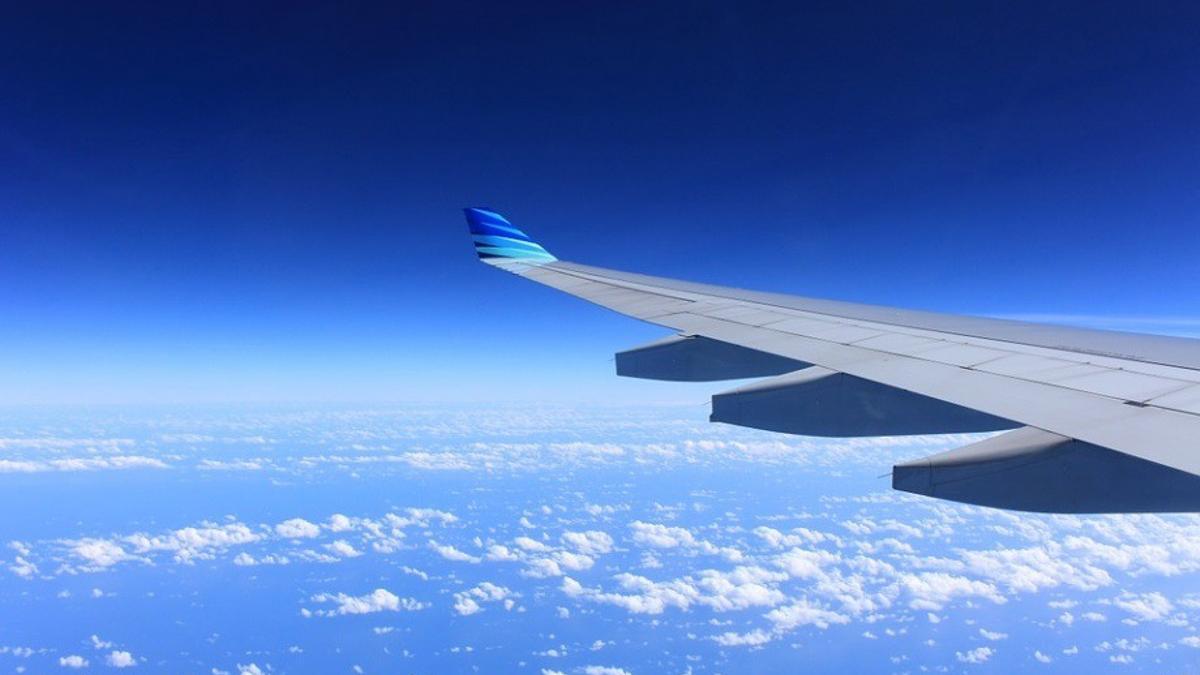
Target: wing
1093 421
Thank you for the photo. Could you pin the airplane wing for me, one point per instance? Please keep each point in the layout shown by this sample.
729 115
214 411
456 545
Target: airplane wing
1091 421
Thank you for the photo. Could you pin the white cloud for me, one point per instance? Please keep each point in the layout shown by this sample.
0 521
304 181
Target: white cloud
573 561
189 544
120 659
468 602
806 563
977 655
115 462
933 590
1145 606
528 544
740 588
605 670
799 537
1041 658
541 568
466 606
340 523
591 542
414 572
451 553
992 635
232 465
497 552
804 613
23 568
343 548
661 536
73 661
297 528
754 638
99 553
379 600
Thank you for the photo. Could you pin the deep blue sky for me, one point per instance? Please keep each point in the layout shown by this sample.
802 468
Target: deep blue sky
205 203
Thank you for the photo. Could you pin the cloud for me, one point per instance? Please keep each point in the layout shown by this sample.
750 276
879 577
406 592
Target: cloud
799 536
933 590
1145 606
297 528
208 540
804 613
116 462
343 548
340 523
468 602
244 559
234 465
662 536
541 568
120 659
976 656
23 568
451 553
466 606
194 543
379 600
499 552
740 588
754 638
73 661
527 544
100 553
591 542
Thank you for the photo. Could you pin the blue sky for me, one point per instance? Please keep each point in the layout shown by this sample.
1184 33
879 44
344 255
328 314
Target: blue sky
264 204
263 412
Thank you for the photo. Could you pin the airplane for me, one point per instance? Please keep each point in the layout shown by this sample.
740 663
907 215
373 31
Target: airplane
1089 421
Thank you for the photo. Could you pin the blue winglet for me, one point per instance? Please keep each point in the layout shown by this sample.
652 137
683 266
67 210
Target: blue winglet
497 239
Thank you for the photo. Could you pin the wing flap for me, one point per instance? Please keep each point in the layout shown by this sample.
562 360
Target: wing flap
821 402
1034 470
692 358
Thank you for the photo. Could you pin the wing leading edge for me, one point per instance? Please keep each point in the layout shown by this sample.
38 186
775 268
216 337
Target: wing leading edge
1097 421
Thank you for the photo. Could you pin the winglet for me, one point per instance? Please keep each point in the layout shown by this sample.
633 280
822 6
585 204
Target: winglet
497 240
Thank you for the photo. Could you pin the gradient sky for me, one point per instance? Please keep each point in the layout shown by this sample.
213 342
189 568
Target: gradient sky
222 203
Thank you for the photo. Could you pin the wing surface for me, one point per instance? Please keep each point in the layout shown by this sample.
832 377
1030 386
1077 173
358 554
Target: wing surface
1100 421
